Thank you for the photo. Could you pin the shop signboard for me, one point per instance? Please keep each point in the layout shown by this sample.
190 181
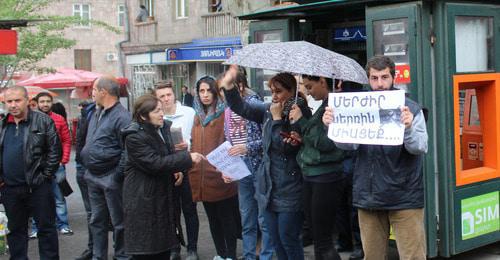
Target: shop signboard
480 215
201 54
350 34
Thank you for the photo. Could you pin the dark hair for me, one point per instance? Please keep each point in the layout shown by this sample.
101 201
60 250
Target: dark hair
380 62
286 80
212 87
184 86
43 94
142 7
161 85
110 85
59 109
330 83
142 107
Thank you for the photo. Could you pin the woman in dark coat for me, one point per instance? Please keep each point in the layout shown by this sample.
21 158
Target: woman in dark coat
151 218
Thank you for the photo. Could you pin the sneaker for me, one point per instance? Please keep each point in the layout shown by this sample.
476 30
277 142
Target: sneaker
66 231
174 255
33 235
192 255
218 258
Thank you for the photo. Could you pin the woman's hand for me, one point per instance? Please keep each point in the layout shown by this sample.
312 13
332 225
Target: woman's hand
197 157
179 176
238 150
295 114
328 116
227 80
294 139
276 110
181 146
227 179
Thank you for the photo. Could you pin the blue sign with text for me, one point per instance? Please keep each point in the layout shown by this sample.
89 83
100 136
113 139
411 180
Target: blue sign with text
350 34
201 54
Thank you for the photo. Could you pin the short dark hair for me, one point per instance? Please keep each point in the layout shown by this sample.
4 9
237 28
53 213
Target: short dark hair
286 80
329 81
18 88
142 6
142 107
111 85
380 62
210 81
43 94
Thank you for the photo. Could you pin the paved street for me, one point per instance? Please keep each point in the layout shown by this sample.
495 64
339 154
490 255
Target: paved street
72 246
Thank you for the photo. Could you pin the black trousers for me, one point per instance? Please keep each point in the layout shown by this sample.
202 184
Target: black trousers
225 225
184 197
321 204
20 202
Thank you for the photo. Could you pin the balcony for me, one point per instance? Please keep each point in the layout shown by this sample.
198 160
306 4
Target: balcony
146 32
222 24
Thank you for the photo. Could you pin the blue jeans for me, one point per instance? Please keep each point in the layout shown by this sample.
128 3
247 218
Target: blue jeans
61 208
285 229
251 219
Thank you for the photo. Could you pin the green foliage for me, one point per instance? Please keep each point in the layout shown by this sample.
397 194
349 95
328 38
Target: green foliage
44 34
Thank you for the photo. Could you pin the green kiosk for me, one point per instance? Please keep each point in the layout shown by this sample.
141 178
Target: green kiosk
447 58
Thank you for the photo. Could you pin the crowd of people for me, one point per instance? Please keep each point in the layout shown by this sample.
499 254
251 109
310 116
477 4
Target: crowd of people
139 172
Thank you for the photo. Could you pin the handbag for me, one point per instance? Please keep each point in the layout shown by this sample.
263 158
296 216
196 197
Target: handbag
65 188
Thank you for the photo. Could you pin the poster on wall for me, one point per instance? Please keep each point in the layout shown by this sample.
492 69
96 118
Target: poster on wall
372 117
480 215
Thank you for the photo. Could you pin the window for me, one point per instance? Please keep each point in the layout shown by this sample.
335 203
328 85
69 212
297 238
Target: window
149 4
82 11
181 8
83 59
474 43
121 15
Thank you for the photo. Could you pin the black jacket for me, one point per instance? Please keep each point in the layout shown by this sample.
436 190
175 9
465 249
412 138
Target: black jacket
103 152
151 218
42 148
81 129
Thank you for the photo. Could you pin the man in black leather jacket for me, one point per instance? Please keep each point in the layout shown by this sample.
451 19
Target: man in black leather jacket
30 152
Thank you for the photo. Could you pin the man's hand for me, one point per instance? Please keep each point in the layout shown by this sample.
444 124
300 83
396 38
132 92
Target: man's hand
276 110
178 178
197 157
238 150
294 139
295 114
228 78
406 117
181 146
328 116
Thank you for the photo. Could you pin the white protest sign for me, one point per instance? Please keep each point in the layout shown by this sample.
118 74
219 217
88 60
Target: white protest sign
232 166
371 117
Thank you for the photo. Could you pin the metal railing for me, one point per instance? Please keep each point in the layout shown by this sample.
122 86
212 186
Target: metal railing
146 32
222 24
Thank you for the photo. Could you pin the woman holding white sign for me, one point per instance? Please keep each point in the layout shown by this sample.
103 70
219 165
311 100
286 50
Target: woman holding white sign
219 199
279 179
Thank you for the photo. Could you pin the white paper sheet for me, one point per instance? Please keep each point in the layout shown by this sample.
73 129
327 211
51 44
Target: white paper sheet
232 166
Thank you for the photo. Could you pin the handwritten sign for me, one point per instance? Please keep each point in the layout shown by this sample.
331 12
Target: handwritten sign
232 166
367 117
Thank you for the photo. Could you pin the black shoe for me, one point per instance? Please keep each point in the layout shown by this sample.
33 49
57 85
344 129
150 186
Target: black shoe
174 255
343 249
357 254
86 255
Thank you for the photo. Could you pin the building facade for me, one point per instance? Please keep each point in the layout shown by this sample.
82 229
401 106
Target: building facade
182 40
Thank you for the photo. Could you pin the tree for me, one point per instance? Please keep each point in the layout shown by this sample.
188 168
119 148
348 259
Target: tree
44 35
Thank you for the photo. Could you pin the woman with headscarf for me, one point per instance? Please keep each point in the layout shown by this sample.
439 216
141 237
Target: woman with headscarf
219 199
279 179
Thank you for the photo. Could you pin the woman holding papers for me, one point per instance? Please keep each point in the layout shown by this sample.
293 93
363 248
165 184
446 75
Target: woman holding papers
246 139
150 217
323 170
219 199
279 179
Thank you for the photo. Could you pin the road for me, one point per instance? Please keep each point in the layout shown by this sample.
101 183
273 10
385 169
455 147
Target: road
72 246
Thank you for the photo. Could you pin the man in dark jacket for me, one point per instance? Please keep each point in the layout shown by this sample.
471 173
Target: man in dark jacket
104 158
30 153
186 97
388 184
86 112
